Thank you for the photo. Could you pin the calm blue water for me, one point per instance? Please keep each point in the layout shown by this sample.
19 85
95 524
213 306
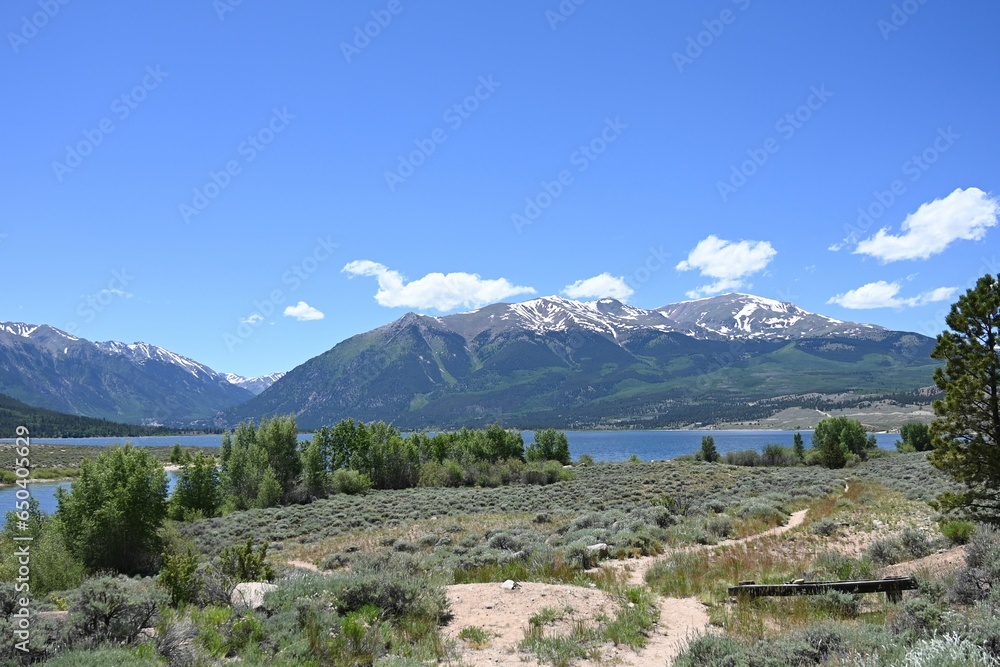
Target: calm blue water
602 445
45 493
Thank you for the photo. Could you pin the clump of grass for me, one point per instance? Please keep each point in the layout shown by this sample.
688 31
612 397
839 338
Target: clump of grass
638 613
958 532
475 636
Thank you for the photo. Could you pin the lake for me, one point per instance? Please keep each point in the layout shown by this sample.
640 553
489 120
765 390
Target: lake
602 445
45 494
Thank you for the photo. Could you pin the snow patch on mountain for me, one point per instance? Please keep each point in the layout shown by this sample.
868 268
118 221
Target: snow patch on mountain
255 385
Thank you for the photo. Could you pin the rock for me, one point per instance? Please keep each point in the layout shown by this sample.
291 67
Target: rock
250 595
509 585
600 548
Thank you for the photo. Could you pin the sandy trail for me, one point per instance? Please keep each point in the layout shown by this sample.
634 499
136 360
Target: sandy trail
638 567
505 613
304 565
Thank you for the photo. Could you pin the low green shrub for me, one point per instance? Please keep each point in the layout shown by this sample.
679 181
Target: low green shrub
958 532
351 482
825 527
113 610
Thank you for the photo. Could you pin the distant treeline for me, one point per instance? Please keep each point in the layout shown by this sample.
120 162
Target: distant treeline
264 465
42 423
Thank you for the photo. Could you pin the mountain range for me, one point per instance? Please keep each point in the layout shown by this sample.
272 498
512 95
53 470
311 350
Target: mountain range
136 383
549 361
563 363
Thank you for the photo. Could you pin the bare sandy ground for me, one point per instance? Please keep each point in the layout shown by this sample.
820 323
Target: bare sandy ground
505 613
937 565
637 567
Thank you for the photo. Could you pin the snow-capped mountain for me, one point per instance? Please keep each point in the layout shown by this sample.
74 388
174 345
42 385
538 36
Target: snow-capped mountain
557 362
254 385
133 382
725 317
744 316
141 353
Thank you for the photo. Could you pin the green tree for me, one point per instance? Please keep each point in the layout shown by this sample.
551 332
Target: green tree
838 437
798 446
916 437
198 491
260 464
179 576
966 433
549 445
502 444
314 467
111 515
708 451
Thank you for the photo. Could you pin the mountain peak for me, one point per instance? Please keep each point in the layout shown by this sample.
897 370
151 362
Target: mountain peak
255 385
738 315
22 330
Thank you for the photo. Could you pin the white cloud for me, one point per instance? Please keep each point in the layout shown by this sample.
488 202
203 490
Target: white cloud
729 262
253 319
303 312
882 294
440 291
114 291
599 287
963 215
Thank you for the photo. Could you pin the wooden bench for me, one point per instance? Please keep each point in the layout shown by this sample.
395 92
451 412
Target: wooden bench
893 587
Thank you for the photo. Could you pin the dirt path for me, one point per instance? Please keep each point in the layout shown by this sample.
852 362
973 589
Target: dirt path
505 613
680 618
305 565
638 567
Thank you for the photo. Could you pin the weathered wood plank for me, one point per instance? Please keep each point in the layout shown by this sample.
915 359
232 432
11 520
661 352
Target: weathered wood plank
891 587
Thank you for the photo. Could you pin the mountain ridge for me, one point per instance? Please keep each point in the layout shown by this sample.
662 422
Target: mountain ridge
559 362
48 368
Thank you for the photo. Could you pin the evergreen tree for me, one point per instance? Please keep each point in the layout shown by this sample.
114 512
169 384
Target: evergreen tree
798 446
708 451
966 433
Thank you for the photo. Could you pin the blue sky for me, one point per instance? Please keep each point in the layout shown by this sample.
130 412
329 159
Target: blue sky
187 173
